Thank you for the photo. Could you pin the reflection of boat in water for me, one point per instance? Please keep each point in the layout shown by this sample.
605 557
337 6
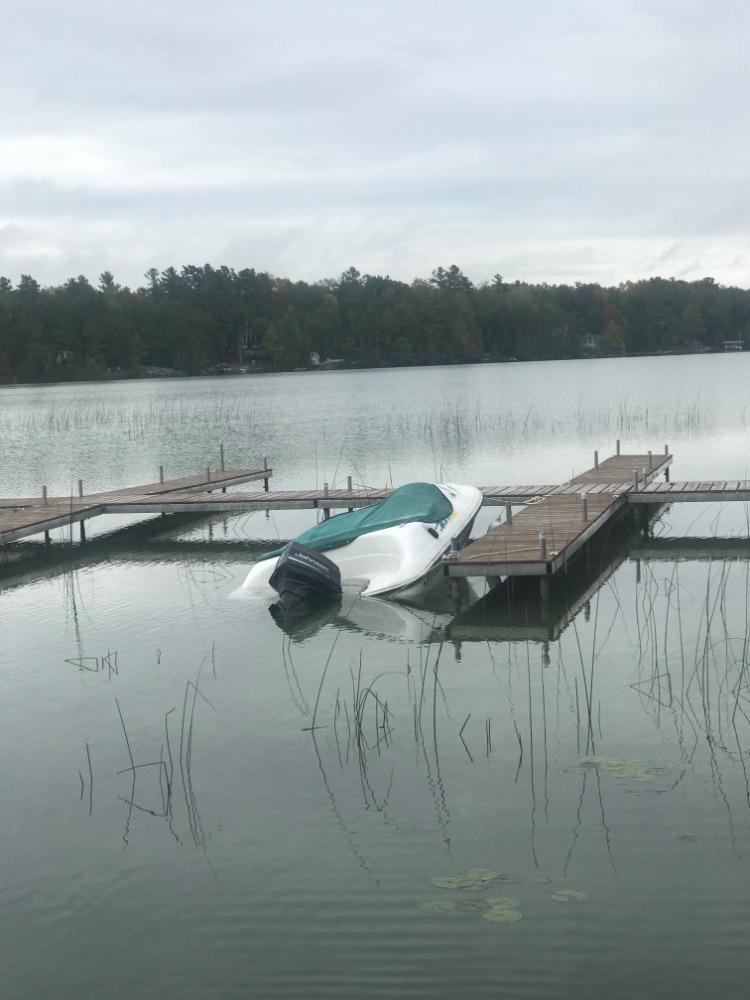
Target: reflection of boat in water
392 621
303 626
390 549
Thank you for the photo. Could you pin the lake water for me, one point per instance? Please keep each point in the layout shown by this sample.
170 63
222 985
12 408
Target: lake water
195 804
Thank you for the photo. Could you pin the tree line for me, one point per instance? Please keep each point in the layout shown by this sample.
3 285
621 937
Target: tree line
205 319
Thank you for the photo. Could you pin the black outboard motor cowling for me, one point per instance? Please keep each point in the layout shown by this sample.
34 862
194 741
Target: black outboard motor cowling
303 578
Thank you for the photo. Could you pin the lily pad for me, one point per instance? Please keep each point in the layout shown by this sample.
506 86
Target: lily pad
473 880
473 905
447 882
566 895
437 906
502 916
504 903
480 874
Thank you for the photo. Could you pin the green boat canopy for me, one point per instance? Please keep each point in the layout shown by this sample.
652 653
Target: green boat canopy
413 502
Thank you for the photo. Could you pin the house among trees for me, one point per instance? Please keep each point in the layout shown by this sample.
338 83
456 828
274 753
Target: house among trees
591 343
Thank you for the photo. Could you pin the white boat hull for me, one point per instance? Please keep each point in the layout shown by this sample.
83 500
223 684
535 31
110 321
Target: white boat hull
402 561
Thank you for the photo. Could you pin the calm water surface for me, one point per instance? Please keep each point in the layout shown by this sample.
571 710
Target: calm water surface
195 804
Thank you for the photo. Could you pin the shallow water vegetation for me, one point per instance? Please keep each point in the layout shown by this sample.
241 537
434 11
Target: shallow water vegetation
630 770
473 905
473 880
437 906
503 911
498 910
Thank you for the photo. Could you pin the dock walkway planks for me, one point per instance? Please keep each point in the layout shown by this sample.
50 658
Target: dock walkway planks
697 492
237 503
561 517
24 517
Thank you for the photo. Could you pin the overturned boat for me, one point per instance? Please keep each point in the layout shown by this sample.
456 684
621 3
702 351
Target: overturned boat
391 549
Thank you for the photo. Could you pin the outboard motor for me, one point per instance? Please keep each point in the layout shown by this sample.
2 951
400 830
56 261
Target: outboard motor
304 578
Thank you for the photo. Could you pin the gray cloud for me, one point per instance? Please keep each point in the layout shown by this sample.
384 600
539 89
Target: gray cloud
549 141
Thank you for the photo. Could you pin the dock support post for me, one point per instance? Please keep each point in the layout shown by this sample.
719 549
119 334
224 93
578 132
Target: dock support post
596 459
638 571
82 530
584 508
326 510
161 473
544 589
44 495
650 461
221 455
265 466
666 471
508 513
542 545
617 446
349 488
46 538
635 480
455 585
80 490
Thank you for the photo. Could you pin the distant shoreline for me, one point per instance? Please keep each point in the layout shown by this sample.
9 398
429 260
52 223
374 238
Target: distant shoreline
155 375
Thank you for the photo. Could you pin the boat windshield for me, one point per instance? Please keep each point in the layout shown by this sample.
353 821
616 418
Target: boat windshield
413 502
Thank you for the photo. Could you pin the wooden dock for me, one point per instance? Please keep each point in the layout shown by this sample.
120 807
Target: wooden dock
26 516
556 521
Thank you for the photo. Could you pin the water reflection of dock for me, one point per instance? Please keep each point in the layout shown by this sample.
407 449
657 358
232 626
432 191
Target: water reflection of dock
513 612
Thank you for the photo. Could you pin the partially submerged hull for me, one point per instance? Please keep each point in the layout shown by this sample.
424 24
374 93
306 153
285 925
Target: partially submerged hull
402 560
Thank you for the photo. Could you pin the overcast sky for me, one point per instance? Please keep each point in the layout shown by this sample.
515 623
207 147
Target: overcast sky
547 140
